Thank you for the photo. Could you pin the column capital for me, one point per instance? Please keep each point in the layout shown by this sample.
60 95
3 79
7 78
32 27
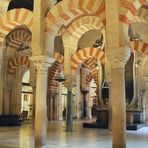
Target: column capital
118 56
70 85
42 63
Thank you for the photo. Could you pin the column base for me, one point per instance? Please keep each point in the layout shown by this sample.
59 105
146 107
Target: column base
37 146
69 128
118 147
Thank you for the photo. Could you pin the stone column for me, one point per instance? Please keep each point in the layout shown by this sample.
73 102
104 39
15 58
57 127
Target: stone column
50 107
90 96
88 105
33 85
42 64
33 112
69 112
60 117
146 100
55 107
118 58
110 107
1 86
85 94
100 102
78 95
84 89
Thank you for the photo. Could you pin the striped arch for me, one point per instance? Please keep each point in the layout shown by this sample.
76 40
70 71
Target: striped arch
138 46
52 84
18 36
14 63
95 74
129 10
86 53
90 63
92 75
59 60
142 15
89 78
80 26
53 69
83 24
67 11
14 18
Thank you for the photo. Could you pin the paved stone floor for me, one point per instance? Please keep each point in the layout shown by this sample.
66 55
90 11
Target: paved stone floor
22 137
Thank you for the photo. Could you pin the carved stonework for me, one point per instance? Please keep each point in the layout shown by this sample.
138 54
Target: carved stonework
118 56
42 63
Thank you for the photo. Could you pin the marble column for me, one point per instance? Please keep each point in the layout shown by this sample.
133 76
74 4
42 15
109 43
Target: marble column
1 86
78 95
90 97
146 100
60 109
84 89
100 102
85 98
110 107
89 100
55 107
118 58
69 112
50 107
33 85
42 64
33 111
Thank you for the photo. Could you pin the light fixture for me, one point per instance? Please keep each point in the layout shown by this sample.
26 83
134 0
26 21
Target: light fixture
98 42
133 36
60 75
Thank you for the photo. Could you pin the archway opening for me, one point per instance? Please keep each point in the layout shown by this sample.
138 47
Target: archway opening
26 97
